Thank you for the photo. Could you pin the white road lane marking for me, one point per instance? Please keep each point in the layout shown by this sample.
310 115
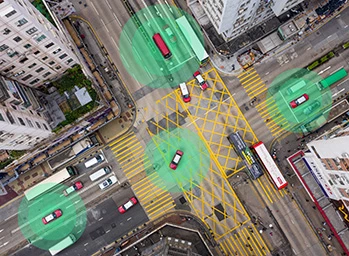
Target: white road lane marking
116 45
117 19
107 231
100 219
85 244
10 217
1 230
108 4
129 218
105 26
94 7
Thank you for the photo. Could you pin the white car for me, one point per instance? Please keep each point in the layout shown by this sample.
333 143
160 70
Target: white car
108 182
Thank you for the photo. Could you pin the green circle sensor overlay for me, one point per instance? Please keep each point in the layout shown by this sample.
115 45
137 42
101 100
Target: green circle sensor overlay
301 101
191 168
143 59
70 225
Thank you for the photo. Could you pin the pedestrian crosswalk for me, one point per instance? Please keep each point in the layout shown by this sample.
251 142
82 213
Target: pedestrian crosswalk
244 241
266 106
146 183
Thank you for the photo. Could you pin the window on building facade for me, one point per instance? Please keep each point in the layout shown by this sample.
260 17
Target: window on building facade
49 45
9 69
58 67
23 60
17 39
40 38
38 125
8 15
68 61
35 81
45 58
32 65
51 63
10 117
31 30
36 52
57 51
3 47
63 56
27 77
45 126
21 121
46 74
29 122
1 117
6 31
11 53
21 22
27 46
39 70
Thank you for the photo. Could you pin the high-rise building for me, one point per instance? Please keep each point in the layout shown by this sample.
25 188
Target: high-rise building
32 50
21 126
328 161
232 18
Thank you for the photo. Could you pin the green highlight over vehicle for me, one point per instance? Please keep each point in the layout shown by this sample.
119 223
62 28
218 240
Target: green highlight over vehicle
298 100
332 79
162 46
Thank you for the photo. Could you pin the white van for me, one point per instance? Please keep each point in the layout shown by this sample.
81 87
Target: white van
100 173
108 182
97 159
185 93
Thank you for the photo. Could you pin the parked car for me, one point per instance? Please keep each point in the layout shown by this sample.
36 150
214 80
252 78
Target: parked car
108 182
76 186
200 80
175 160
123 208
52 216
300 100
308 110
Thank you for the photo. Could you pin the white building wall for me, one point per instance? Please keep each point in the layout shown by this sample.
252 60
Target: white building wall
32 50
232 18
21 129
281 6
331 148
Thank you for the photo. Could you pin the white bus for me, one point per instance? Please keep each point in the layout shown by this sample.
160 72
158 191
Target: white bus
49 183
274 172
66 242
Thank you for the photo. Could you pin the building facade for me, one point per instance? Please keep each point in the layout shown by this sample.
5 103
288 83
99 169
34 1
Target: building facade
232 18
32 50
328 160
21 126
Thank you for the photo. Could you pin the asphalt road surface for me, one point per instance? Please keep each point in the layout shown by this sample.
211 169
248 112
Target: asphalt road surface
104 225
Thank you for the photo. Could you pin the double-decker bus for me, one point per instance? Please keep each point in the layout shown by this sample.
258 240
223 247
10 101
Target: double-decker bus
49 183
162 46
247 156
274 172
193 40
66 242
331 79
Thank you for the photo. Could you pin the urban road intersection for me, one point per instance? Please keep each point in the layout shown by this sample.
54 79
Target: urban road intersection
212 115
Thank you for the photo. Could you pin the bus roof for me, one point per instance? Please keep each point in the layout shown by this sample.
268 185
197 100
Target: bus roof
192 38
48 183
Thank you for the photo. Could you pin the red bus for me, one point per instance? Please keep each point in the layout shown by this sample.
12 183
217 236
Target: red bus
265 158
160 43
